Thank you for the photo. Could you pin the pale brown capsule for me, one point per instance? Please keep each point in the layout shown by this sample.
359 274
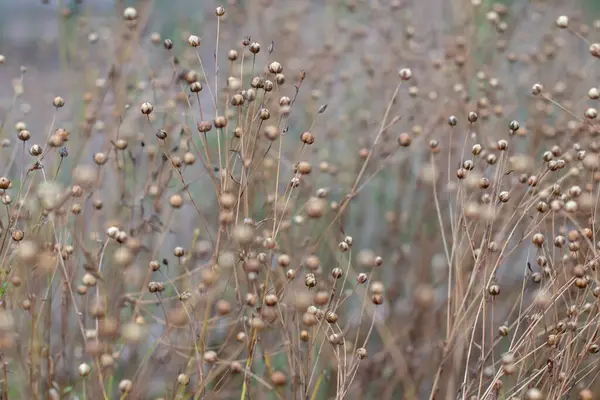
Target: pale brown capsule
146 108
310 280
194 41
538 239
254 47
307 138
58 102
278 378
220 121
404 140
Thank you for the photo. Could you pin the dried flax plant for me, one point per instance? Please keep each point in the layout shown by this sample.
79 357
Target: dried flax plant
410 218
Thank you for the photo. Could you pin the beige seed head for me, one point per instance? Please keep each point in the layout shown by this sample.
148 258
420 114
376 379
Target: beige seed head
4 183
107 361
404 140
123 256
183 379
84 369
275 68
307 138
234 83
316 207
534 394
58 102
176 200
271 132
125 385
220 121
254 47
134 331
591 113
362 353
310 280
100 158
130 13
304 167
146 108
88 279
585 394
19 126
24 135
210 357
243 234
278 378
562 21
194 41
155 38
405 74
538 239
377 288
